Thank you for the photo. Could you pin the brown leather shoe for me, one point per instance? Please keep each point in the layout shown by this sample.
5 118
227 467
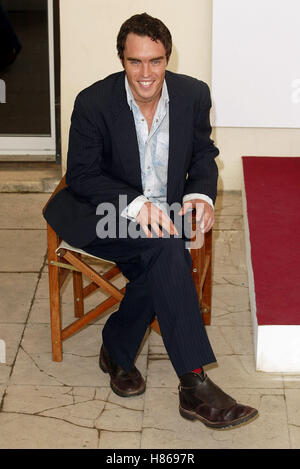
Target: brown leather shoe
200 398
123 383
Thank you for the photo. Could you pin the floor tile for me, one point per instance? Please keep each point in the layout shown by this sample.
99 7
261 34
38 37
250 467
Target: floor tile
239 279
229 211
131 403
229 203
39 432
86 343
294 436
293 408
161 373
39 369
156 345
238 371
12 286
14 211
2 390
118 418
119 440
229 340
34 399
228 222
85 412
22 251
293 416
11 335
230 305
228 252
74 370
5 371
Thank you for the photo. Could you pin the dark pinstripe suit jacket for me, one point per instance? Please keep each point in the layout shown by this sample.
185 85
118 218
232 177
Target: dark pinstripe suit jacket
103 157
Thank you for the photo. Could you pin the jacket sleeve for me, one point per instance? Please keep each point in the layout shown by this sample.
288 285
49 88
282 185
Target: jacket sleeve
85 176
203 171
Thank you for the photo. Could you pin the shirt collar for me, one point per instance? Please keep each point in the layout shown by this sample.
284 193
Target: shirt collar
131 101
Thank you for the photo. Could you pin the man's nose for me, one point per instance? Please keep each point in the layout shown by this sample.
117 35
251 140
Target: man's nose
145 69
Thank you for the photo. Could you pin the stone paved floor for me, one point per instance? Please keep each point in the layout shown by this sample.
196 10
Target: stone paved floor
70 404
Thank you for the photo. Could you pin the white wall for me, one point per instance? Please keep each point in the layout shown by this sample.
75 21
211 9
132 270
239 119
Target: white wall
255 63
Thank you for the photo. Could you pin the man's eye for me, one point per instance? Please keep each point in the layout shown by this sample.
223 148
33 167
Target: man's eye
134 62
156 62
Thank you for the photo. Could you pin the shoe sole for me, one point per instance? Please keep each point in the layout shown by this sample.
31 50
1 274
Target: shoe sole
116 390
189 415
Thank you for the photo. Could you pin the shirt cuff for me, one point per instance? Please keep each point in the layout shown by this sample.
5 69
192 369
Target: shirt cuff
198 196
132 210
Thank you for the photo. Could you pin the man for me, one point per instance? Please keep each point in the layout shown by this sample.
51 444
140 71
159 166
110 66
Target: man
144 133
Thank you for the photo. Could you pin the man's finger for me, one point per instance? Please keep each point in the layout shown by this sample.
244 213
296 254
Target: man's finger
156 229
168 225
200 212
147 231
186 206
165 222
208 223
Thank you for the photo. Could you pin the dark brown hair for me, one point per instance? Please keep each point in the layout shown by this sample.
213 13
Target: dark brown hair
144 25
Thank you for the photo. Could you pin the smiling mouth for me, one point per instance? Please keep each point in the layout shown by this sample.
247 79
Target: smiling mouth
146 84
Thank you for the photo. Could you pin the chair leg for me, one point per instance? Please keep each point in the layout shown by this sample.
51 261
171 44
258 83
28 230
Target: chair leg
54 293
196 269
207 286
201 273
78 293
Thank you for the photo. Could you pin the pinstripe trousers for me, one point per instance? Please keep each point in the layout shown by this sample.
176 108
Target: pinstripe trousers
161 284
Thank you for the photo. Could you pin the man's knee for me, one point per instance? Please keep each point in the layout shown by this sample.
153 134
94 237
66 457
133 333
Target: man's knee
174 251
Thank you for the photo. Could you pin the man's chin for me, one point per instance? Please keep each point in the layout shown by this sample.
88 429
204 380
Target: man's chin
148 95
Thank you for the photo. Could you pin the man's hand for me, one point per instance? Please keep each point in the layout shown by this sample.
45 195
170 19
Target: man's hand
151 215
204 213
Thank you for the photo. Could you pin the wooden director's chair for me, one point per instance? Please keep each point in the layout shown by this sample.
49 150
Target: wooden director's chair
64 259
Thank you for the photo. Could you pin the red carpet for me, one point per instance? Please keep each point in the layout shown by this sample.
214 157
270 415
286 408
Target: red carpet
272 187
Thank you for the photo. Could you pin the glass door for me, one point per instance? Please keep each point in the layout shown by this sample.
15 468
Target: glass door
27 97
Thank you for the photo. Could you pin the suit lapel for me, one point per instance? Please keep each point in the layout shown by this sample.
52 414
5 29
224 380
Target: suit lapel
125 135
177 134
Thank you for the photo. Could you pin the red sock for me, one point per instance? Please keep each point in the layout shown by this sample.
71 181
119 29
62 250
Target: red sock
197 370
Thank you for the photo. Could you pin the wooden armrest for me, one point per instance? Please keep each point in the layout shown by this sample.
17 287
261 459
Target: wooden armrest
62 184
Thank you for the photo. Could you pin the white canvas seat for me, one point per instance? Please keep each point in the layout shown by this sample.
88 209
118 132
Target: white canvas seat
65 245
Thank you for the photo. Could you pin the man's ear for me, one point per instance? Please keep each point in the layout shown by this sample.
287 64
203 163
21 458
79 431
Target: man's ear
122 61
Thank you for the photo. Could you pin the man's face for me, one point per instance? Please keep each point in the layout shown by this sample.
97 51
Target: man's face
145 65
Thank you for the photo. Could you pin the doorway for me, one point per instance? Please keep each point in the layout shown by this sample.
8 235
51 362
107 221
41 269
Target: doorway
29 73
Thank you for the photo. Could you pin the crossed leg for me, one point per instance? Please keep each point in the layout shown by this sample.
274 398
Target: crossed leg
161 284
